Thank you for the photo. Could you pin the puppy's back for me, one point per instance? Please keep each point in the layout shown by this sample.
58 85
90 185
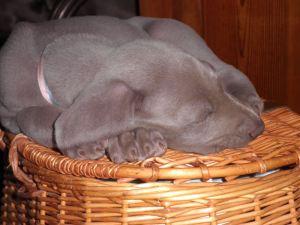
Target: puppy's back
20 55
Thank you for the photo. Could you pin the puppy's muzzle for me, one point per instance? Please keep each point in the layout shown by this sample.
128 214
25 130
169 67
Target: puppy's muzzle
251 127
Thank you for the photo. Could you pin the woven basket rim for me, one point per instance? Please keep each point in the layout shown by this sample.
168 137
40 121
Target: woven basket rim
191 166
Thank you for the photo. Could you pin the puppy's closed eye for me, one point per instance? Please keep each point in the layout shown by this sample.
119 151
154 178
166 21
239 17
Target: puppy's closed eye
205 112
252 101
256 104
195 113
239 87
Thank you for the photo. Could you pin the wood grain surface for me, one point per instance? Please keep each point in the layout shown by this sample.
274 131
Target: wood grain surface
261 38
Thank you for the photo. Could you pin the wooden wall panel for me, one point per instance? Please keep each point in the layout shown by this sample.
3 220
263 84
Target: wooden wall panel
293 79
261 38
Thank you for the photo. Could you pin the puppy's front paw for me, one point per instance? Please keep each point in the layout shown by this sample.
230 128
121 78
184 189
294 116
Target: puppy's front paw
136 145
92 150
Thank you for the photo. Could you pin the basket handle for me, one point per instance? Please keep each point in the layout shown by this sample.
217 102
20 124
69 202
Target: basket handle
2 143
30 189
66 8
63 9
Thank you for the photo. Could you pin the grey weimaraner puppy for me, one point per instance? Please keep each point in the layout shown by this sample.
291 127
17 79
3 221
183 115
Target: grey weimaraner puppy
131 87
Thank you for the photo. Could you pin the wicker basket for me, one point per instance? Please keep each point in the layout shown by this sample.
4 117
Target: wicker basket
255 185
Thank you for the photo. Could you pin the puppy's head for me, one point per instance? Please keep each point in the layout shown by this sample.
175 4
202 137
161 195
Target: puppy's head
209 110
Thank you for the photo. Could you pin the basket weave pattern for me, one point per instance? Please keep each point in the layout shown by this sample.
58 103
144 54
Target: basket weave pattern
175 189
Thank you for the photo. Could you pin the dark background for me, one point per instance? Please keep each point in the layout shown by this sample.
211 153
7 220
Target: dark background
260 37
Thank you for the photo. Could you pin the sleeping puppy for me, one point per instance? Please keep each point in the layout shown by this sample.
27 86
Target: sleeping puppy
132 87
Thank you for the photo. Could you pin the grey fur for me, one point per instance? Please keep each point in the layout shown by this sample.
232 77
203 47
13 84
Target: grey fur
130 87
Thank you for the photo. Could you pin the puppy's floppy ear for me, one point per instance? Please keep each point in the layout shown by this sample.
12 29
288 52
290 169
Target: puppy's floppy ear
70 62
101 111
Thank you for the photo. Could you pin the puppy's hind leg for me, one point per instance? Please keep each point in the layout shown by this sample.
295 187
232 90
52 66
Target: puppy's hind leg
37 123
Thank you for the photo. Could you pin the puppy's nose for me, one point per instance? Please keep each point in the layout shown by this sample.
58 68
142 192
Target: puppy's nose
258 129
251 127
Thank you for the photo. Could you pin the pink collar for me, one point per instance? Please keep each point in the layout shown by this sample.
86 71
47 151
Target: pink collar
44 89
